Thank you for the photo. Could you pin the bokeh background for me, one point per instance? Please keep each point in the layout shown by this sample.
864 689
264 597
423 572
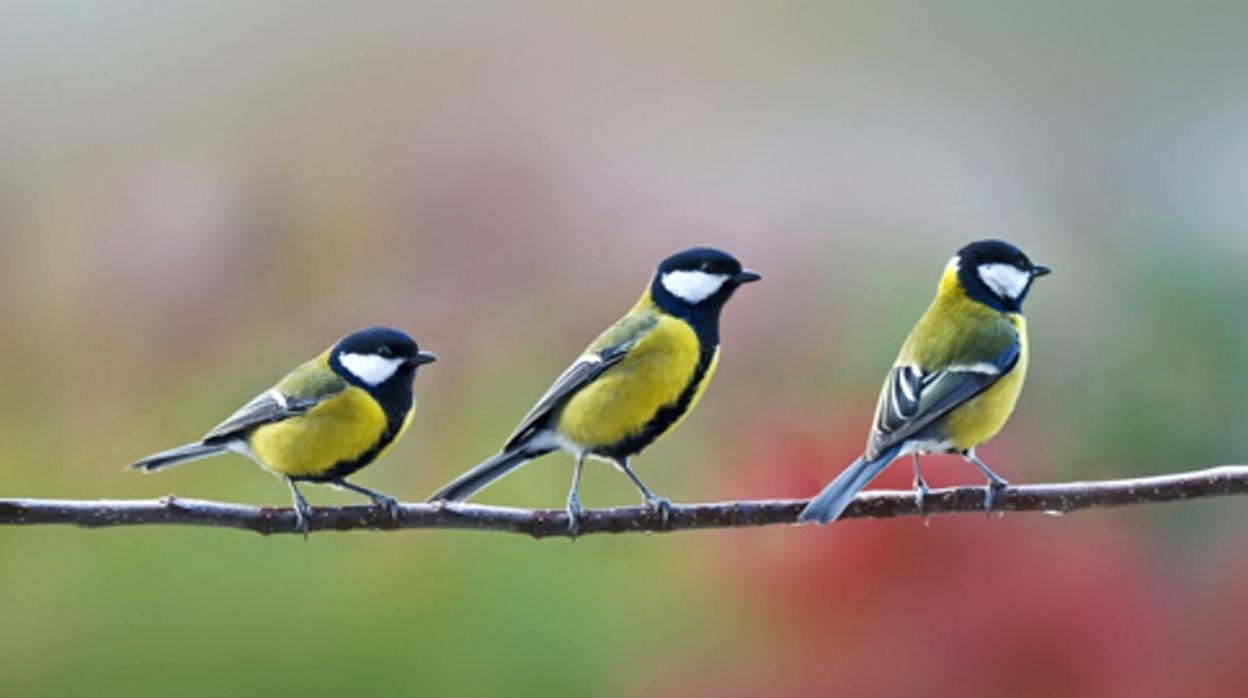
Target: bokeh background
195 196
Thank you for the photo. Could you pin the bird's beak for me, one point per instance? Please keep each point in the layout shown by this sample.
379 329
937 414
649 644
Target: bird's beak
746 276
422 357
1040 270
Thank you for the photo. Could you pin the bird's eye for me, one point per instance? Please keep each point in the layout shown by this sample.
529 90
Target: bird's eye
385 353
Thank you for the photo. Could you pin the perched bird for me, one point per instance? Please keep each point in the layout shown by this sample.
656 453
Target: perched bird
632 384
325 420
957 378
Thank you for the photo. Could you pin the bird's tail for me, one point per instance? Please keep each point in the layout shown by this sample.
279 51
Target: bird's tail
177 456
466 485
832 501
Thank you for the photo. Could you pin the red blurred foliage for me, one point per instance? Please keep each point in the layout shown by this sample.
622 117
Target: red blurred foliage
1024 605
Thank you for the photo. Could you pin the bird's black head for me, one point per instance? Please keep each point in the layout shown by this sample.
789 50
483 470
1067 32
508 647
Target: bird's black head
378 357
696 283
996 273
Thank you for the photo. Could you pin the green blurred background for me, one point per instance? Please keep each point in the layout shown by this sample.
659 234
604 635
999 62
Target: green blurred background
195 196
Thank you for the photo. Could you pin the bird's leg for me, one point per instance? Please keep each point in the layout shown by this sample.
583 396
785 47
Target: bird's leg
303 511
996 483
652 500
575 511
385 501
920 487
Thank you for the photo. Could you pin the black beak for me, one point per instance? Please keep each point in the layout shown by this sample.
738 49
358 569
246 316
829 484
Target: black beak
746 276
1038 270
422 357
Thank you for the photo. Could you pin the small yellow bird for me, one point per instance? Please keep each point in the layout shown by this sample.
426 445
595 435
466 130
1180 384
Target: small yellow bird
325 420
633 384
957 378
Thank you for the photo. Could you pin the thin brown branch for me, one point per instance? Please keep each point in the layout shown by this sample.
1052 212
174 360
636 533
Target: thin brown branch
879 504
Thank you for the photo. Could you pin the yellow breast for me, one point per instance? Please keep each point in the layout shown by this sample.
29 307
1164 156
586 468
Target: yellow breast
980 418
340 429
624 400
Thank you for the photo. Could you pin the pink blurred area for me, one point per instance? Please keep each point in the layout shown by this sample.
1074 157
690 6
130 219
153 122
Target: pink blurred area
1025 605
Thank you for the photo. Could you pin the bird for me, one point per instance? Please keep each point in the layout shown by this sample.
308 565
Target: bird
633 384
323 421
957 378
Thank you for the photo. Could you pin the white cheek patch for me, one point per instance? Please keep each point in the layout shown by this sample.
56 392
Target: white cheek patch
370 368
1005 280
693 286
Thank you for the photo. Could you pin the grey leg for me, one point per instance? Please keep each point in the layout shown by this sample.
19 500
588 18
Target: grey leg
575 511
385 501
920 485
303 512
996 483
660 504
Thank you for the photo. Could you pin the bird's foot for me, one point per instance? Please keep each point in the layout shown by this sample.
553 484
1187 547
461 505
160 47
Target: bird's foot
389 504
380 500
662 506
920 499
920 496
303 518
576 514
996 483
991 492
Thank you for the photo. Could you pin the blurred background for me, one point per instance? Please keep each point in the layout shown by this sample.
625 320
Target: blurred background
196 196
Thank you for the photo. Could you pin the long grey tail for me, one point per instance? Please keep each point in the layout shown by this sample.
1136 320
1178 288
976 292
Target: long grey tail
466 485
177 456
832 501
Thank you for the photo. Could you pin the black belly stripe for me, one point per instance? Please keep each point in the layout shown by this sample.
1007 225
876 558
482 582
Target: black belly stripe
666 415
344 468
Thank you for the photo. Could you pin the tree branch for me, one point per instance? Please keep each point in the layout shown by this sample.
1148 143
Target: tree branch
876 504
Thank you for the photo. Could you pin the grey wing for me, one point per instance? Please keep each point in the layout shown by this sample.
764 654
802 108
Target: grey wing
912 398
266 408
581 373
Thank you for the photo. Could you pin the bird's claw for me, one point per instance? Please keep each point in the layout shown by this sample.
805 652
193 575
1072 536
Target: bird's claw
662 506
991 492
390 504
576 514
303 519
920 496
920 503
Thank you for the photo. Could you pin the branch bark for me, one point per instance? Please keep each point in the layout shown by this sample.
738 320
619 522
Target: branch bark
876 504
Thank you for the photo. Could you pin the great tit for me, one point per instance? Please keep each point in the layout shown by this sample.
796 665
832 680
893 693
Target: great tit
324 420
633 384
957 378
